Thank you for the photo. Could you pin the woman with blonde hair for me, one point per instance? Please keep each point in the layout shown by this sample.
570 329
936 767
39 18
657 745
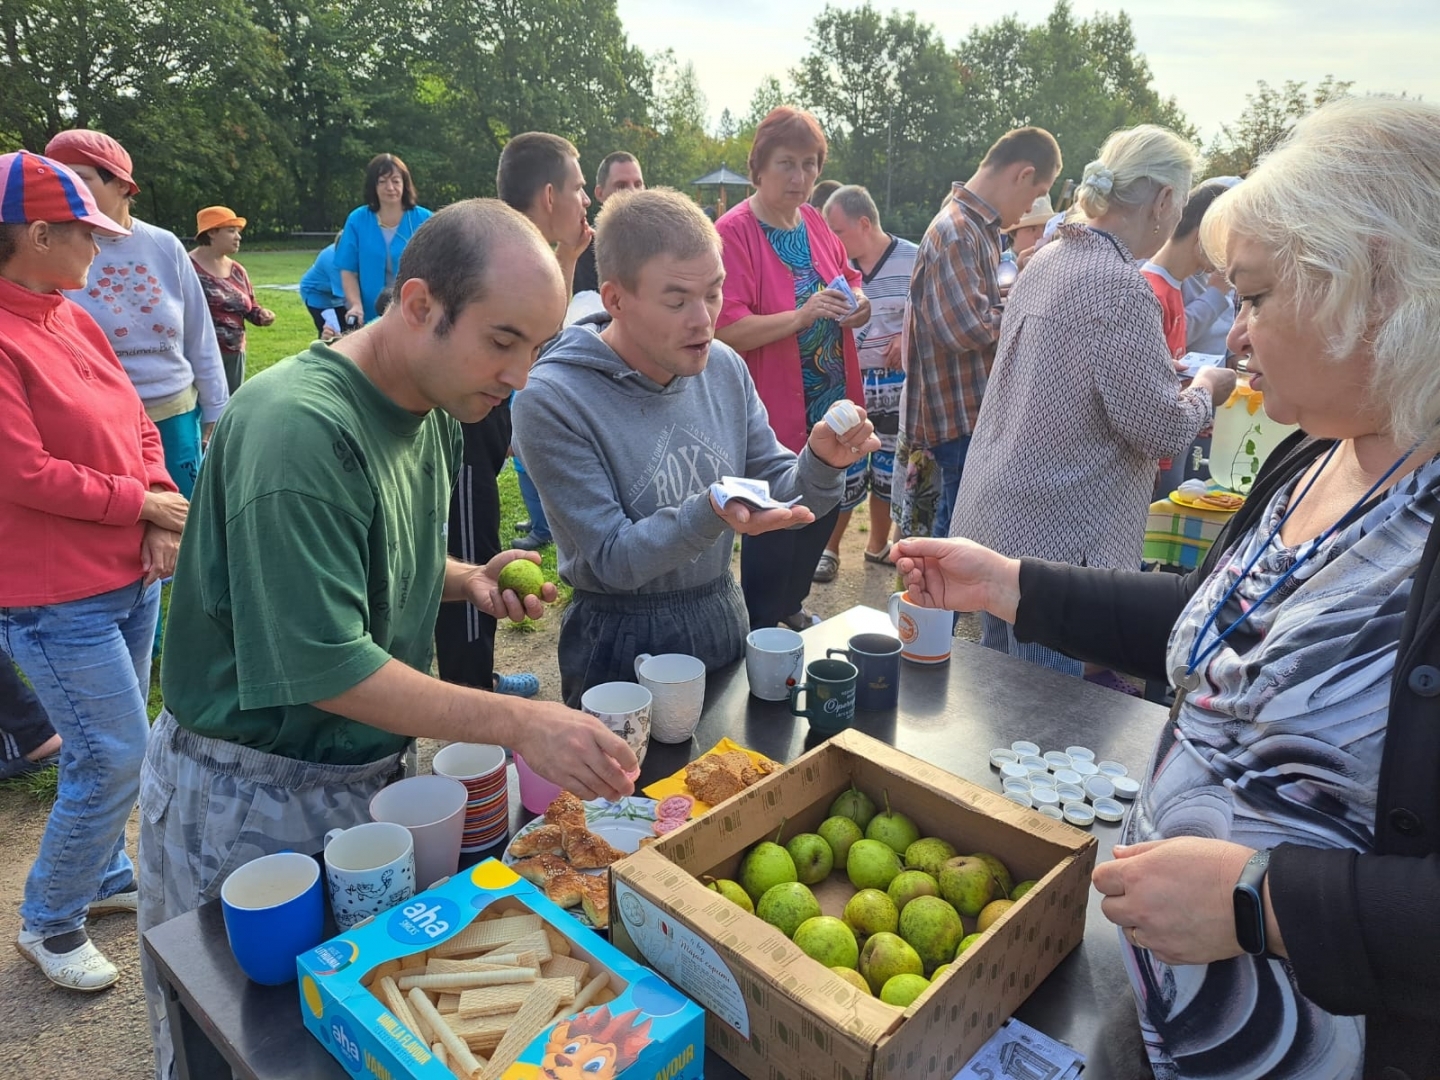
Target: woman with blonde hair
1083 398
1280 872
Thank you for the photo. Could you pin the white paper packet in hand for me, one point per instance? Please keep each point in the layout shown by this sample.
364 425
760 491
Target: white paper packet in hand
843 416
754 493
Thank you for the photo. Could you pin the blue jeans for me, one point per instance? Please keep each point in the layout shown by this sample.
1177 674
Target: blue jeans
538 523
999 635
950 456
89 663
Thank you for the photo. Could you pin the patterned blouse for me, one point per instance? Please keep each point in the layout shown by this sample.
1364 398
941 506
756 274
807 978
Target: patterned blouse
1281 743
232 301
1081 403
822 358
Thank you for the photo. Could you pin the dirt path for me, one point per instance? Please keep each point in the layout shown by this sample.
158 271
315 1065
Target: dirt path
57 1035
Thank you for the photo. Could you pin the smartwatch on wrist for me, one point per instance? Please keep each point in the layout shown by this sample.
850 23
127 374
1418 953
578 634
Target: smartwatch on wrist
1250 904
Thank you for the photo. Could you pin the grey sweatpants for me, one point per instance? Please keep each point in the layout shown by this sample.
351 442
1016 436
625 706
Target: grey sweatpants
601 634
208 807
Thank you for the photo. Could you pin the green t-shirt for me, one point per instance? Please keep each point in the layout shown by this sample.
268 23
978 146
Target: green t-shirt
314 553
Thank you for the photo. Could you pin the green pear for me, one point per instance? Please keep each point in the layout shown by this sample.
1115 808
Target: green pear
812 857
854 978
787 905
885 956
967 883
893 828
941 970
901 990
1002 875
965 943
523 576
854 804
840 832
766 865
909 884
871 864
990 914
929 854
932 928
1022 888
869 912
828 940
732 891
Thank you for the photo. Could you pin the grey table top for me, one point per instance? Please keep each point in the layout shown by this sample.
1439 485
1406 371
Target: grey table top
950 714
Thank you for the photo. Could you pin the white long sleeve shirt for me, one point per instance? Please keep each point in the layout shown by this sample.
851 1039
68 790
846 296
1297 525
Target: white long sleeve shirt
146 296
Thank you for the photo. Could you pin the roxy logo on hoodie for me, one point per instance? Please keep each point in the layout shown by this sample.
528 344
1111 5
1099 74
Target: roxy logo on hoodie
684 464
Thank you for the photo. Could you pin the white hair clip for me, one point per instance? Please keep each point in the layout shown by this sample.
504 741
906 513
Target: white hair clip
1099 177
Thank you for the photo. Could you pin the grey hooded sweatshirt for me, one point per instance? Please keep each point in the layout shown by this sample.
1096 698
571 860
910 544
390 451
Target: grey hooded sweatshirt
624 465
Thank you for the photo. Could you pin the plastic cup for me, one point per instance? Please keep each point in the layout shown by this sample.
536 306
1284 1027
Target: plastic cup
536 793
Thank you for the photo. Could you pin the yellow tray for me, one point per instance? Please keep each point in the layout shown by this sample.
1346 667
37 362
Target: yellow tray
674 784
1196 504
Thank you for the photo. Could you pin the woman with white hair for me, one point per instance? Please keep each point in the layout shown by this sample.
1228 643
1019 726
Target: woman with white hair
1280 876
1083 398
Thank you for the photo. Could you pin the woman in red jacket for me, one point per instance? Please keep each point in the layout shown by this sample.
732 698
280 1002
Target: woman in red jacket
89 523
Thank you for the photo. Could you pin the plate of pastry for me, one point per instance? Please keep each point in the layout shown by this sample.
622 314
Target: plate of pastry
566 853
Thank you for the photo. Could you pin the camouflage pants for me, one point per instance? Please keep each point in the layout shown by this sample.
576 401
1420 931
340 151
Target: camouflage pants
208 807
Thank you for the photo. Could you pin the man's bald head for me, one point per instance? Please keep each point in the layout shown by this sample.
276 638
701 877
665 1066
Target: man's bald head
456 251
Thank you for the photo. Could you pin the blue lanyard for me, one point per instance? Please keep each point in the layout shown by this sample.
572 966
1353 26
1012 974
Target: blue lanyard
1196 656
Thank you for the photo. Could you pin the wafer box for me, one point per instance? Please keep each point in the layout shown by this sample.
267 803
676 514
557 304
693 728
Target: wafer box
358 991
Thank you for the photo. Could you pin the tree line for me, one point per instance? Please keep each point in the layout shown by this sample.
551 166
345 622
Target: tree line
273 106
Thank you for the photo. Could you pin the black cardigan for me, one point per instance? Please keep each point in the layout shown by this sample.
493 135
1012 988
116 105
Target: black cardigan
1362 929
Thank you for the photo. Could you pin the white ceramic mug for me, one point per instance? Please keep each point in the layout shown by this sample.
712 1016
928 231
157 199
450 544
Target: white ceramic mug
773 657
623 707
677 689
432 808
926 634
370 867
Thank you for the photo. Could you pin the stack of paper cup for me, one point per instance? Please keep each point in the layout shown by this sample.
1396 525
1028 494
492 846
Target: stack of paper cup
481 768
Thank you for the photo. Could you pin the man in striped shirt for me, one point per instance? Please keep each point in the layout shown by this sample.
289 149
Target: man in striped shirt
884 262
954 321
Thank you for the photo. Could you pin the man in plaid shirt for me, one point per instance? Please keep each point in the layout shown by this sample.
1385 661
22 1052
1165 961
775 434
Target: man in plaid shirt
953 322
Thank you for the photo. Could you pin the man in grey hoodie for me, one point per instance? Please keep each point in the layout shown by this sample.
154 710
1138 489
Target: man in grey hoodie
628 419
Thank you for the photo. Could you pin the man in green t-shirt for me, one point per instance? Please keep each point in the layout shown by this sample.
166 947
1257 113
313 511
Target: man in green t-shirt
314 565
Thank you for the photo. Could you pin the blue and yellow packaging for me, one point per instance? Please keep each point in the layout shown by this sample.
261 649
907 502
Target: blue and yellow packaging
649 1029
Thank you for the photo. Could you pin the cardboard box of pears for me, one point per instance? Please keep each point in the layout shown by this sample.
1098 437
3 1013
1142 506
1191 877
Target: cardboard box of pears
772 1007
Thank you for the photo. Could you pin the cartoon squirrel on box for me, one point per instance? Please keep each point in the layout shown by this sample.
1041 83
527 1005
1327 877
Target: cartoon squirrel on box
594 1045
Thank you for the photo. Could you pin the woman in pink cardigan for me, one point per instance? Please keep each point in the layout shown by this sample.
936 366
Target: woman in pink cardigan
795 333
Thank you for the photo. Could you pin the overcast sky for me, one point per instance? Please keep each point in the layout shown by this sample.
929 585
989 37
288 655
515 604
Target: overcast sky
1206 53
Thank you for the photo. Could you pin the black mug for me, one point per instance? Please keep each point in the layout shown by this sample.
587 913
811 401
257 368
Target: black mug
877 658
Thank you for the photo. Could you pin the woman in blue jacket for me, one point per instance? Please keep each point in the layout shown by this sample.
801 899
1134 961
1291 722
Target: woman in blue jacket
369 248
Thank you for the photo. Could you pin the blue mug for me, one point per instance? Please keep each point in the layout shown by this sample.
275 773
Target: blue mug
877 659
274 911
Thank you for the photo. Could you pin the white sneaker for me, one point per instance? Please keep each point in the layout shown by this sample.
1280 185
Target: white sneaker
120 903
84 968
